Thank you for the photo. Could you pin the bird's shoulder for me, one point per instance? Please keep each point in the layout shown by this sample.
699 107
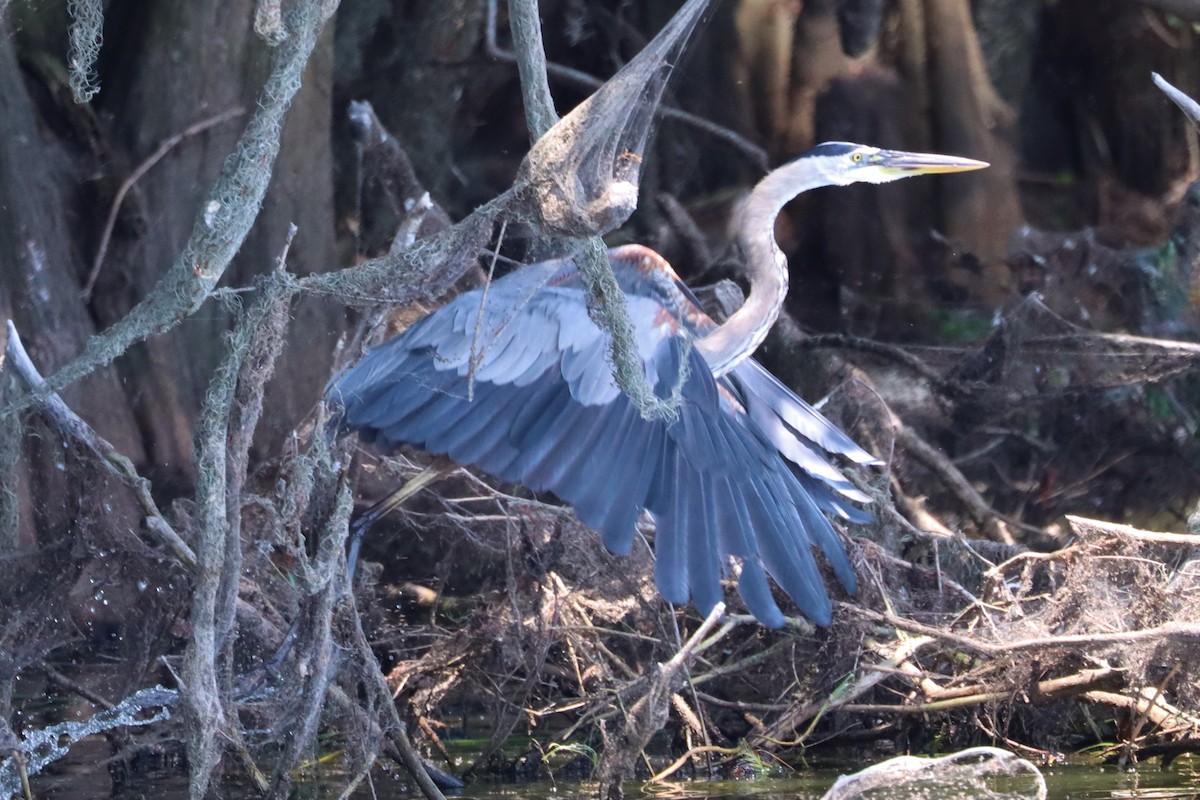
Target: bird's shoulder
641 273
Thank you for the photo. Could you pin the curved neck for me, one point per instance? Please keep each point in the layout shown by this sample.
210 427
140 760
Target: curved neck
766 267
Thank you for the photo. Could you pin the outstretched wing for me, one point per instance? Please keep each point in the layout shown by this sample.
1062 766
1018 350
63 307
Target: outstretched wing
546 413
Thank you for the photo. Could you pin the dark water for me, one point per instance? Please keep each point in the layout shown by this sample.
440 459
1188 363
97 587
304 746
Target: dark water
1075 782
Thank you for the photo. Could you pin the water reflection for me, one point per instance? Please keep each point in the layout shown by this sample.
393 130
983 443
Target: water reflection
1082 782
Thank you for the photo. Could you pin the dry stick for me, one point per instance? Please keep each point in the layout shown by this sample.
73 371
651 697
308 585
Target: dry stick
1139 719
1172 631
72 427
812 712
685 712
1091 527
264 324
636 683
678 763
165 147
397 733
223 435
476 353
1052 688
649 712
741 705
761 657
70 684
755 154
1012 744
18 757
991 521
231 411
398 736
1135 705
321 659
890 351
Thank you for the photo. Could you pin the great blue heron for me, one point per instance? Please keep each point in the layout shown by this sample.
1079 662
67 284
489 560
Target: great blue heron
743 471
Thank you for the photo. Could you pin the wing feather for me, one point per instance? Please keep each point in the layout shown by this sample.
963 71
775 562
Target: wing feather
802 417
670 553
705 560
742 472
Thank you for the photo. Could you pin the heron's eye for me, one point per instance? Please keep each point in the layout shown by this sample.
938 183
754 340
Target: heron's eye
857 157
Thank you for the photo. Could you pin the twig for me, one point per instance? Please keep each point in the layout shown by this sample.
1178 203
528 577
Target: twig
1171 630
1156 711
1046 756
760 657
551 144
18 757
1078 683
476 352
891 352
1143 714
398 735
675 765
141 169
648 714
75 686
686 228
741 705
991 522
71 426
812 711
1085 527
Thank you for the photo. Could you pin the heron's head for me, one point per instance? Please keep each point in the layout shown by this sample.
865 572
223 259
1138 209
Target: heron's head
843 163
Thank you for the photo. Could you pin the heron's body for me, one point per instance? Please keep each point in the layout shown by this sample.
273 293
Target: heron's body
744 471
547 413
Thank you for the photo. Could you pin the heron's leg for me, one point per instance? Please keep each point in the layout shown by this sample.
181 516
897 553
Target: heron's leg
439 469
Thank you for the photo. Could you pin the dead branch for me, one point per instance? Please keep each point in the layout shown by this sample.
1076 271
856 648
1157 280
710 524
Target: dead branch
692 752
73 428
891 352
1158 712
1171 631
809 713
166 146
1040 692
1089 528
649 713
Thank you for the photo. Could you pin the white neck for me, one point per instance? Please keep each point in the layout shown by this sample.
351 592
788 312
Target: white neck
766 267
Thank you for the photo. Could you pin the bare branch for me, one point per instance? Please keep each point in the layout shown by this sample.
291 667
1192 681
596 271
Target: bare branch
1171 631
141 169
75 429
